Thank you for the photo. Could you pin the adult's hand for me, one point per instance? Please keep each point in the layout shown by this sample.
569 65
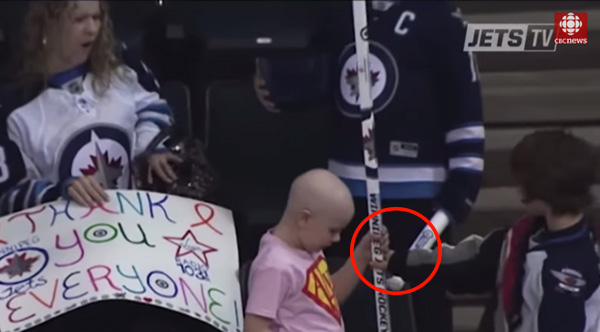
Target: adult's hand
159 163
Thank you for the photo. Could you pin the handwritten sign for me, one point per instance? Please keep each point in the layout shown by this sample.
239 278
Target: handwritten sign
168 251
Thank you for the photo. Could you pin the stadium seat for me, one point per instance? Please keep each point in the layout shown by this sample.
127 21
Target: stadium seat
258 153
177 94
144 37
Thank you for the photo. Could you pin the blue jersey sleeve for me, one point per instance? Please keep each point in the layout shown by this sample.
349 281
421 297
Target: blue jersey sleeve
153 112
463 111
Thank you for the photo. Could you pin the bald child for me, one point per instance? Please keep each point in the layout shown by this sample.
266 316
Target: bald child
290 288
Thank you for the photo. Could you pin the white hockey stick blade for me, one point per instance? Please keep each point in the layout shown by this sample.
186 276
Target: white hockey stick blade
425 240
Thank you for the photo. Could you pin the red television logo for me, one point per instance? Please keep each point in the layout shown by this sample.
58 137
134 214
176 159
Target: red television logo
570 28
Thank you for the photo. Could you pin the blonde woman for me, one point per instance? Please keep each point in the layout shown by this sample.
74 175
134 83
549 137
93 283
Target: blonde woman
79 113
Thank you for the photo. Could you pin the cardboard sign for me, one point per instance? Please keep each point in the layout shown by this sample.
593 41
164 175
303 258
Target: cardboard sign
162 250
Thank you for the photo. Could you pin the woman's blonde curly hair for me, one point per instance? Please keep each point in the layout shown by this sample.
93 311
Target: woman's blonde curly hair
40 17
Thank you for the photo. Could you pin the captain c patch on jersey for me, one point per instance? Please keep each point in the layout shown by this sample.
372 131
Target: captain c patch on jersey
100 151
383 75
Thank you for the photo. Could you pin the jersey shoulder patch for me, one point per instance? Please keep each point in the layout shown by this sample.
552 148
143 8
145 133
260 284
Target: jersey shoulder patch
575 270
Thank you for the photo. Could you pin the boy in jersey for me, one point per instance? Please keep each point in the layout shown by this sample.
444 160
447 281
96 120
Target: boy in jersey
544 270
429 134
78 114
289 284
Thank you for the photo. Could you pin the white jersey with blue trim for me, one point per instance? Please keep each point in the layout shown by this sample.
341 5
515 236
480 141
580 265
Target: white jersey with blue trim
68 130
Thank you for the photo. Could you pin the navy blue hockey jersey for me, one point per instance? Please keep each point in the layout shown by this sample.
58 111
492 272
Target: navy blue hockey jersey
429 133
67 130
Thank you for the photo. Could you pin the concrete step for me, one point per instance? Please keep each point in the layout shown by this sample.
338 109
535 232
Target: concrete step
536 97
466 319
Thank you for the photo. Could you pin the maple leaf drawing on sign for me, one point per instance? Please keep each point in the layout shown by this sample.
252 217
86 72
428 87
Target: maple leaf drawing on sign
18 265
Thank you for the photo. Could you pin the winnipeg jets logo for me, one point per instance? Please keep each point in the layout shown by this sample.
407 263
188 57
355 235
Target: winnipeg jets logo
352 81
18 265
383 75
104 169
22 265
569 280
101 152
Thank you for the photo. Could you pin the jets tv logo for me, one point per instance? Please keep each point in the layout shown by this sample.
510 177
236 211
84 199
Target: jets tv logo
510 38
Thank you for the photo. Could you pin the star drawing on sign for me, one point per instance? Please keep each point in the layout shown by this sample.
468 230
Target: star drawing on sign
18 265
187 247
352 80
104 169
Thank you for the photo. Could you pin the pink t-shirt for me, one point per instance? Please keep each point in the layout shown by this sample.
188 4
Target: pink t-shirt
293 288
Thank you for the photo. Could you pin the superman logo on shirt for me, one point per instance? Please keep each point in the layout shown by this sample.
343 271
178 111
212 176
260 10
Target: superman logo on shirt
319 288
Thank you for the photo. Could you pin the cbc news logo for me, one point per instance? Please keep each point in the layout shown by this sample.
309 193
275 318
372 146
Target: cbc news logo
571 28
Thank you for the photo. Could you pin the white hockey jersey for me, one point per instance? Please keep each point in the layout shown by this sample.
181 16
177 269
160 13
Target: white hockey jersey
68 131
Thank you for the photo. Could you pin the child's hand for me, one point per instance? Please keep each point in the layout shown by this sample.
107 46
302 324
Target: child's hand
383 264
363 250
159 164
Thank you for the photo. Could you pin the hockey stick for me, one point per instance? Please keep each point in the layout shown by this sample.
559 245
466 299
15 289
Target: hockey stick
359 11
425 240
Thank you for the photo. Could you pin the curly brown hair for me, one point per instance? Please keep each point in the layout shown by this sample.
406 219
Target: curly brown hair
31 51
556 167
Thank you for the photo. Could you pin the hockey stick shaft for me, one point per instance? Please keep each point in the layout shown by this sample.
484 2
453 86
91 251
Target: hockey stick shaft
370 158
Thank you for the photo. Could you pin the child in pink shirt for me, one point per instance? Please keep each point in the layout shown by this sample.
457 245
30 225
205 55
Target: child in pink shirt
290 288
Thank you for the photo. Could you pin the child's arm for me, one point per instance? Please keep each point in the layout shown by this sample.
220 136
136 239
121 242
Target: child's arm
345 279
469 267
267 287
255 323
